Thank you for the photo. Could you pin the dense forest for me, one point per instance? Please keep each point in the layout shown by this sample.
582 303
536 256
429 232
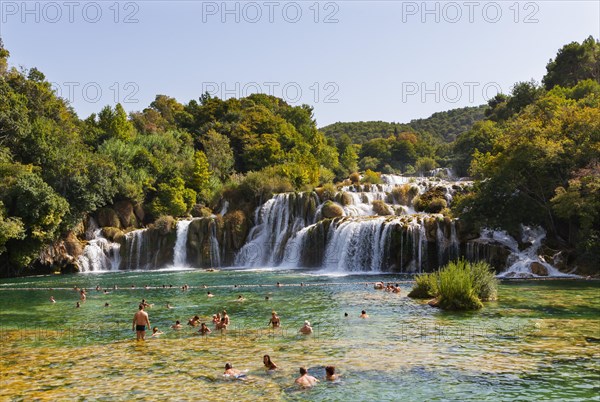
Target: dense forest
534 154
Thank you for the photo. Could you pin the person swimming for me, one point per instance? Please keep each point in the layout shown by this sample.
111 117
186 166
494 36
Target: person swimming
230 371
275 320
363 314
52 299
77 305
305 380
210 294
177 325
156 333
269 363
306 328
194 321
330 373
204 329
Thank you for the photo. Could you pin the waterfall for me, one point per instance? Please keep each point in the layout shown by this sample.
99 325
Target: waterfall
276 222
180 249
215 255
134 243
99 254
357 245
520 263
440 243
454 244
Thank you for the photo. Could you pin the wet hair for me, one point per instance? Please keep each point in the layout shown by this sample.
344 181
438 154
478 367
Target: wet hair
303 371
154 329
196 317
345 314
228 366
330 370
141 306
177 322
266 297
363 312
269 362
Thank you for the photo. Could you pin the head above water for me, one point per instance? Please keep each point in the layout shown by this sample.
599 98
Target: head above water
303 371
228 366
330 370
363 312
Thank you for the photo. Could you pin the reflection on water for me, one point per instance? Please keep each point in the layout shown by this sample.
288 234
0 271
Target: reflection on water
539 341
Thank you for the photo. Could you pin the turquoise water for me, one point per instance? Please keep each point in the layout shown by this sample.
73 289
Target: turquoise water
539 341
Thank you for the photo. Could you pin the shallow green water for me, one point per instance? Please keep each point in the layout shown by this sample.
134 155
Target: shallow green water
539 341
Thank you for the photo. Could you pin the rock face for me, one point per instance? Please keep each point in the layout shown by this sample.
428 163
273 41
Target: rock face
538 269
126 215
107 217
62 255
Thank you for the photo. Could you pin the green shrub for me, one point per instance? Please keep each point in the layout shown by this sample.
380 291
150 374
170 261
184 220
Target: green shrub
405 193
425 287
460 285
354 177
326 192
165 224
484 281
371 177
456 289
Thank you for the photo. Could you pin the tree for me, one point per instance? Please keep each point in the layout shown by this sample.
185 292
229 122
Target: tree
218 153
201 173
349 160
573 63
425 164
115 123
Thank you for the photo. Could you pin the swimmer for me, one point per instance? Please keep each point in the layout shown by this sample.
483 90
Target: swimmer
230 371
275 320
194 321
379 286
346 315
169 306
52 299
82 295
305 380
330 373
156 333
106 304
106 292
241 298
98 288
222 325
225 317
363 314
306 328
278 284
204 329
267 298
269 363
216 319
177 325
140 321
209 294
395 289
77 305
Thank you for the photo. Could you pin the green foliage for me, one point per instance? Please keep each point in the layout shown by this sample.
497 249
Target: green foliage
10 228
425 164
349 160
460 285
371 177
165 224
425 287
574 63
456 288
172 198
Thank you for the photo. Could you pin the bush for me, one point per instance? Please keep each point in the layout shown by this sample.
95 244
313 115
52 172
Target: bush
484 281
381 208
327 192
425 287
460 285
165 224
331 210
456 290
371 177
432 201
354 178
200 211
405 194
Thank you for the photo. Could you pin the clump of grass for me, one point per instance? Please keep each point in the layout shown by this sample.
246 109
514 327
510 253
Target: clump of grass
460 285
425 287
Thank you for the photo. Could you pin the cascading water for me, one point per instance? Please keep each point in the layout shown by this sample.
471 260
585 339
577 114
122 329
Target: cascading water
100 254
276 221
134 243
180 249
215 254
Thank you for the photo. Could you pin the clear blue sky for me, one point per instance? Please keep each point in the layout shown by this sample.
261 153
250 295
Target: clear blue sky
376 60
